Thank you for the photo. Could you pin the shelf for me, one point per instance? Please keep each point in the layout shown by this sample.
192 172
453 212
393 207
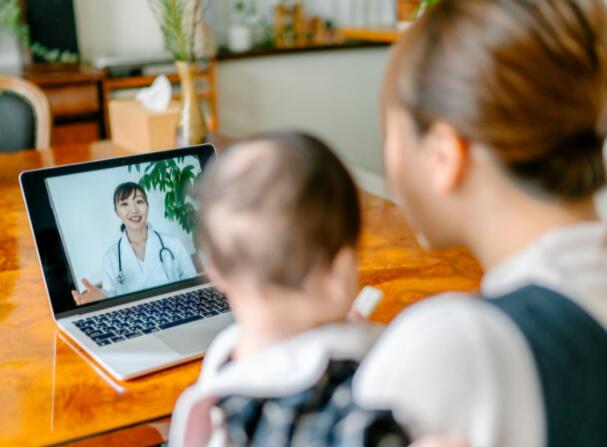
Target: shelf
225 55
74 93
385 35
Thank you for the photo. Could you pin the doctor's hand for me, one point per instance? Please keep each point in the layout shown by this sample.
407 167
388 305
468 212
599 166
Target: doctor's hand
91 295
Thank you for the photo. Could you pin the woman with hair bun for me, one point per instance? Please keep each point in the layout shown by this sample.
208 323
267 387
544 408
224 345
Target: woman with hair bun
495 114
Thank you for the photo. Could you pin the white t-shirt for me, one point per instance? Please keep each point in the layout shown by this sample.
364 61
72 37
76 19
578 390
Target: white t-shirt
455 364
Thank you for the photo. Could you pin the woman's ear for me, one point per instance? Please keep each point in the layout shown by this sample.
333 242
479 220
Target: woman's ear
449 156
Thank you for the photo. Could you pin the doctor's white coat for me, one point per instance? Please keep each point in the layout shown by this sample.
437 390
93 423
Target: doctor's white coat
150 272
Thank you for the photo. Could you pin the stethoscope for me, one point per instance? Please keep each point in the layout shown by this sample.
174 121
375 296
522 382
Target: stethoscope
121 277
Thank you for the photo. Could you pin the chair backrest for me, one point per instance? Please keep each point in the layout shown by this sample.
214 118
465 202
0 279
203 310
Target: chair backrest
25 115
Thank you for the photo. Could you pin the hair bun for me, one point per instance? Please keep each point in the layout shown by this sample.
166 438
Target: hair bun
601 128
585 140
573 169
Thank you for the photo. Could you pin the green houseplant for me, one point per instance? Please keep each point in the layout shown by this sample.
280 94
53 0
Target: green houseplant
240 37
176 181
11 20
187 38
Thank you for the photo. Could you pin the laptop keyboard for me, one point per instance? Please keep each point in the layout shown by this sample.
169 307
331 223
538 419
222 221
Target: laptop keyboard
142 319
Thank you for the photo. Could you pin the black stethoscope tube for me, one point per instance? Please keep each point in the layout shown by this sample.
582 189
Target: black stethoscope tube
121 277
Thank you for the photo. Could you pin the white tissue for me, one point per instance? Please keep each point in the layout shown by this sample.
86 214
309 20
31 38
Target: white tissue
156 97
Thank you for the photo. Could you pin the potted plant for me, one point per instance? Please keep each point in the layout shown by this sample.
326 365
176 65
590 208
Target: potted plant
240 34
11 21
175 179
187 38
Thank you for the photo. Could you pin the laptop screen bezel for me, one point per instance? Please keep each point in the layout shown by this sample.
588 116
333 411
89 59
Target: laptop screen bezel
47 236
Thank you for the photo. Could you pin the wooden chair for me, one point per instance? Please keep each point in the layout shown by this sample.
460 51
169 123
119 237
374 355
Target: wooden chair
25 115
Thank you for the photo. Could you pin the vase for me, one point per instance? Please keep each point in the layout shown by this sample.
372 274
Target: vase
192 129
407 9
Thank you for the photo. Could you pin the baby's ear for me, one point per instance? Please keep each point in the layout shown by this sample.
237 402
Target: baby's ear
344 274
214 275
345 261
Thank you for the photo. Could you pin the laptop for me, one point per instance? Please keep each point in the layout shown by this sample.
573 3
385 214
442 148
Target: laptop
116 244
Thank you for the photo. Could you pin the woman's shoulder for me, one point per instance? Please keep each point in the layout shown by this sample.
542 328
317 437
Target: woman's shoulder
455 321
442 313
446 361
461 318
452 332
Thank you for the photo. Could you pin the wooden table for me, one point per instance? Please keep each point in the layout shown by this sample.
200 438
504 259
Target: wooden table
50 392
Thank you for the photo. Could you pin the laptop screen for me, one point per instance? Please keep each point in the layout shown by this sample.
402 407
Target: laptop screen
128 228
122 226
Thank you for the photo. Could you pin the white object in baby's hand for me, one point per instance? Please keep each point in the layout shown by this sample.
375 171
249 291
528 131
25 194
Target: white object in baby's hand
367 300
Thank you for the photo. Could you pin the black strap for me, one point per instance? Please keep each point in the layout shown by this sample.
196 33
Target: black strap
570 351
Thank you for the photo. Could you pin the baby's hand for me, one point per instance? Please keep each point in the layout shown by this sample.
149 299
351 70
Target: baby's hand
356 317
437 441
365 303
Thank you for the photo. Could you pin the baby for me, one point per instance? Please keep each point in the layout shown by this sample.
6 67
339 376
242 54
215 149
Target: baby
279 225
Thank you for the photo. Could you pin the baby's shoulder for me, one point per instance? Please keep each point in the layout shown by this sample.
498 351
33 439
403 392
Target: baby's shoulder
324 413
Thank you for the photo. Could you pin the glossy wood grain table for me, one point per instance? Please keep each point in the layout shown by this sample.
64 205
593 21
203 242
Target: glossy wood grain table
51 393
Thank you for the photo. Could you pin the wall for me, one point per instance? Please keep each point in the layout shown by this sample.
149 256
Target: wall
340 12
127 27
341 88
117 27
333 94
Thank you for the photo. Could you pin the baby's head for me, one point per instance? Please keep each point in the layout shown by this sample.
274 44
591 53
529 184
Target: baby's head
279 225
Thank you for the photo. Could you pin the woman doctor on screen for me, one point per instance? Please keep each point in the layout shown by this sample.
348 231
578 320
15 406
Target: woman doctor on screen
142 258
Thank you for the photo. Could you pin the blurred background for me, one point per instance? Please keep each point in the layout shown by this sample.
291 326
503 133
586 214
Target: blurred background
332 91
313 65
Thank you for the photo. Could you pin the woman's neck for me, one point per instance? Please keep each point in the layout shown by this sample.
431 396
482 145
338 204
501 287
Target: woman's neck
513 225
137 237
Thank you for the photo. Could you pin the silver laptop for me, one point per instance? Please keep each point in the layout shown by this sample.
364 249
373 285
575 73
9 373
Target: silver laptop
116 244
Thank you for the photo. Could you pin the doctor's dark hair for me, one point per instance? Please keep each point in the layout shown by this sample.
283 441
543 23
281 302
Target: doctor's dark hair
126 190
276 207
526 79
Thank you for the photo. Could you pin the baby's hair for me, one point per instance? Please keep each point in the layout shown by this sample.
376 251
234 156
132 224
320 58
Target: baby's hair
276 207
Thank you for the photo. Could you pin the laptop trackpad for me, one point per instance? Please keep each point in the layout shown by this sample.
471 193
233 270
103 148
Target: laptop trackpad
195 337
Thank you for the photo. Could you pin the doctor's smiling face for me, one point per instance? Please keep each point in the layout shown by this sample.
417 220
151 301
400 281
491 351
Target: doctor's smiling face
131 205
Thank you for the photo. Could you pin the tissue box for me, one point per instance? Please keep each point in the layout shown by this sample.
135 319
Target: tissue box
139 129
